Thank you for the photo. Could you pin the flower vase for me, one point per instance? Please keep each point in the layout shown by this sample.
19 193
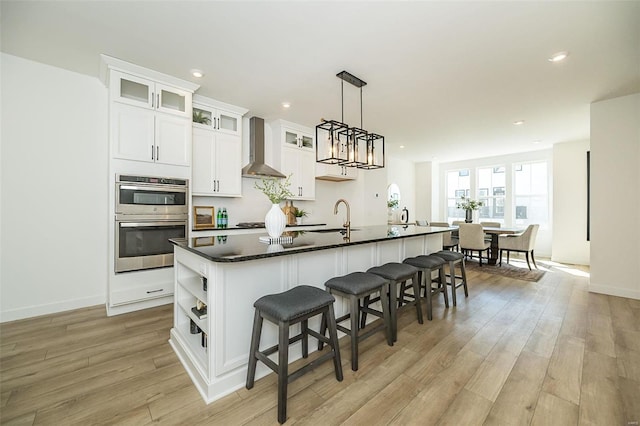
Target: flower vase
275 221
468 218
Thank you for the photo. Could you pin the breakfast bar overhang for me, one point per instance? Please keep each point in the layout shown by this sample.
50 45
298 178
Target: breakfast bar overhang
229 273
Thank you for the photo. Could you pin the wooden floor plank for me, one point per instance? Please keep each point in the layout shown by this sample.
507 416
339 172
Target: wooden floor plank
551 410
517 400
564 374
513 352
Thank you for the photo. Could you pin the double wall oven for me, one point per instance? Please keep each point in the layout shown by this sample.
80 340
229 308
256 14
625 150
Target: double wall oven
149 211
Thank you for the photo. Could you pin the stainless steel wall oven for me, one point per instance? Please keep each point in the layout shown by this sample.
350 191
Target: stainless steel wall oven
149 211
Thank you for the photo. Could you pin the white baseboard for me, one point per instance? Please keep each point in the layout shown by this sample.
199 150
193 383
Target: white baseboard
50 308
614 291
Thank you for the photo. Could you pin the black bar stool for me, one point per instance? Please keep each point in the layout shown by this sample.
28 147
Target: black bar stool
455 281
426 265
285 309
397 273
356 286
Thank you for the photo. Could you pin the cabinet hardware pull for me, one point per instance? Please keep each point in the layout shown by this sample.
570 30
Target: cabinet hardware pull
154 291
157 153
158 101
153 151
153 100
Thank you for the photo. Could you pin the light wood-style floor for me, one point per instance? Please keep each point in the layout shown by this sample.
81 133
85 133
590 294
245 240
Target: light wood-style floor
513 353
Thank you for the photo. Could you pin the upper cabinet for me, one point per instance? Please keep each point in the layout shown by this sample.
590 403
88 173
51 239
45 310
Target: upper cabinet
335 172
150 114
217 148
220 120
133 90
296 147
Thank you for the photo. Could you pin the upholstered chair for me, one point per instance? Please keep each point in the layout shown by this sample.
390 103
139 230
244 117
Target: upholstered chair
523 243
490 225
472 240
448 241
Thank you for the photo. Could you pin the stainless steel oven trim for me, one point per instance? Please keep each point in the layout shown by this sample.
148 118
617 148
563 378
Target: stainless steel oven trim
129 264
134 209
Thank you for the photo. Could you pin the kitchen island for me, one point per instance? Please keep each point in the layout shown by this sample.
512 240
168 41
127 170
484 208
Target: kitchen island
228 273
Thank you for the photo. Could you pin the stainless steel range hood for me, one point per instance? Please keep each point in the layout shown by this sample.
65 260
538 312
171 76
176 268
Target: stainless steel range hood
257 167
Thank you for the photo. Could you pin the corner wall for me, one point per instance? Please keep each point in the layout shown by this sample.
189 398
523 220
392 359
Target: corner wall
569 242
53 190
615 194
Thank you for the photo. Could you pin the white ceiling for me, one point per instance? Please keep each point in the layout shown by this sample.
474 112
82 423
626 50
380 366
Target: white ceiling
445 79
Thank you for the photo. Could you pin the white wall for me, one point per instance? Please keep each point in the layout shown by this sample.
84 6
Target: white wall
424 191
615 191
570 243
53 190
402 173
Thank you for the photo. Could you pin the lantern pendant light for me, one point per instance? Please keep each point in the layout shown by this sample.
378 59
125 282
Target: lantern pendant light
338 143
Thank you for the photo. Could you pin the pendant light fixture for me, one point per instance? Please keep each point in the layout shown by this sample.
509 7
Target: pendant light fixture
339 143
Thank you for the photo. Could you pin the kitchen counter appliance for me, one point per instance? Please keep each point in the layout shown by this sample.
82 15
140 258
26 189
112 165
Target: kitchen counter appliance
149 211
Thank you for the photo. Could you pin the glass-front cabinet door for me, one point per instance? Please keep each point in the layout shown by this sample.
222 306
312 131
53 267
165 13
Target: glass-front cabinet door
133 90
217 119
298 139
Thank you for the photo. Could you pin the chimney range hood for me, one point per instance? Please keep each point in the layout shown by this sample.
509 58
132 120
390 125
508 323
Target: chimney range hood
256 167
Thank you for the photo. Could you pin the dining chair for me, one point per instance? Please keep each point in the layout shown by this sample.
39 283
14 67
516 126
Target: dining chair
472 240
522 243
490 225
448 241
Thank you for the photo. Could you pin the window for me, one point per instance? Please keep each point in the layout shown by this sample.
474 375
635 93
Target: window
458 184
491 191
530 195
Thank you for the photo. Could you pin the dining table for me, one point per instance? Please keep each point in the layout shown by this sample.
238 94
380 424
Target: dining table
495 233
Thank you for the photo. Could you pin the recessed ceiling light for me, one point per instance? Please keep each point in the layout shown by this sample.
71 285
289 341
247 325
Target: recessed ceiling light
557 57
286 104
401 146
518 123
197 73
537 141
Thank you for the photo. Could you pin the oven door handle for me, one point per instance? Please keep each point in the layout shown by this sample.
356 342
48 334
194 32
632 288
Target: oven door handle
142 224
153 188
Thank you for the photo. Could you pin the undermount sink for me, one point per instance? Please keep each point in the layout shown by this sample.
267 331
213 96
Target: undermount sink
328 230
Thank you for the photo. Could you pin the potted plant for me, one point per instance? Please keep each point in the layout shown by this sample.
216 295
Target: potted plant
277 190
468 205
200 117
299 214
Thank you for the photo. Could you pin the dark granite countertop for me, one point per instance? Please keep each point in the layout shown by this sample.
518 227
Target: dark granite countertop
238 248
244 228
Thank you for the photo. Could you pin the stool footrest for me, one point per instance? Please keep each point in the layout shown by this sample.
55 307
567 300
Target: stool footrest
274 348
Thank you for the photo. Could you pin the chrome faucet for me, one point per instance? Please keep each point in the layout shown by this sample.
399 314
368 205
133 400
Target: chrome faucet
347 223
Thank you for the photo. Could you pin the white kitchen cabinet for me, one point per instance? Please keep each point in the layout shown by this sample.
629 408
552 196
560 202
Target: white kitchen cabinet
217 163
335 172
150 121
146 93
143 135
217 119
295 146
300 165
217 148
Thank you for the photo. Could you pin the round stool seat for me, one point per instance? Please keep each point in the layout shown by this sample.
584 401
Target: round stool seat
426 262
293 303
394 271
449 255
357 283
